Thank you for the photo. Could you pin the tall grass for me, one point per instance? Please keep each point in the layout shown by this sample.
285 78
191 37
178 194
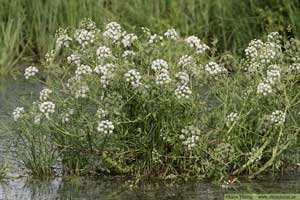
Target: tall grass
230 24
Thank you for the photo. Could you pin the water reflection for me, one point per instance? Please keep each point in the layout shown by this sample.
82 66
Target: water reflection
88 188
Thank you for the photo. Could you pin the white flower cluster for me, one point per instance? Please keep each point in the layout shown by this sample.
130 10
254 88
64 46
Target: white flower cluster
182 90
231 118
128 39
101 114
103 52
195 42
160 67
74 59
84 37
113 31
155 156
50 55
274 37
105 127
18 113
190 136
65 118
133 77
186 61
88 24
277 117
268 53
273 74
171 34
30 71
128 53
62 39
251 51
82 90
263 53
155 39
83 70
264 89
78 87
214 70
47 107
295 67
183 78
107 72
159 64
163 77
45 94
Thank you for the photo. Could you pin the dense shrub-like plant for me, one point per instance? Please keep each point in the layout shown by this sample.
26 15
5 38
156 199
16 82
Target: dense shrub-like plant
114 102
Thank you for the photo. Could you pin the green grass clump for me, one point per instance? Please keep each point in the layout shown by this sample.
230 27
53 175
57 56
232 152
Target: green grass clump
158 104
3 170
27 26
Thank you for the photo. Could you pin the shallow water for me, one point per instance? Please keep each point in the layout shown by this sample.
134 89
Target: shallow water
25 187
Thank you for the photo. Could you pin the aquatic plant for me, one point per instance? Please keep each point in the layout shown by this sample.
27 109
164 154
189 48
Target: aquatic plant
169 107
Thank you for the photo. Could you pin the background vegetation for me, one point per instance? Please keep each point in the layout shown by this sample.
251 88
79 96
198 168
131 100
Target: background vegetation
27 26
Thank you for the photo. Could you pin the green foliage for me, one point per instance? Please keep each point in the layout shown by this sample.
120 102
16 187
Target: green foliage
3 170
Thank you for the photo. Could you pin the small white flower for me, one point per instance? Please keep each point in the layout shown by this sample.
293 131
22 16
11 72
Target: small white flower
18 113
107 73
73 59
277 117
65 117
159 64
183 92
103 52
50 55
45 94
113 32
62 39
30 71
84 37
190 137
273 74
186 61
192 41
133 77
82 90
101 114
163 77
295 67
128 39
128 53
264 89
195 42
231 118
171 34
83 70
105 127
183 78
214 70
155 39
47 107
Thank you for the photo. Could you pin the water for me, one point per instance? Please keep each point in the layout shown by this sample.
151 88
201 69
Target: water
23 187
